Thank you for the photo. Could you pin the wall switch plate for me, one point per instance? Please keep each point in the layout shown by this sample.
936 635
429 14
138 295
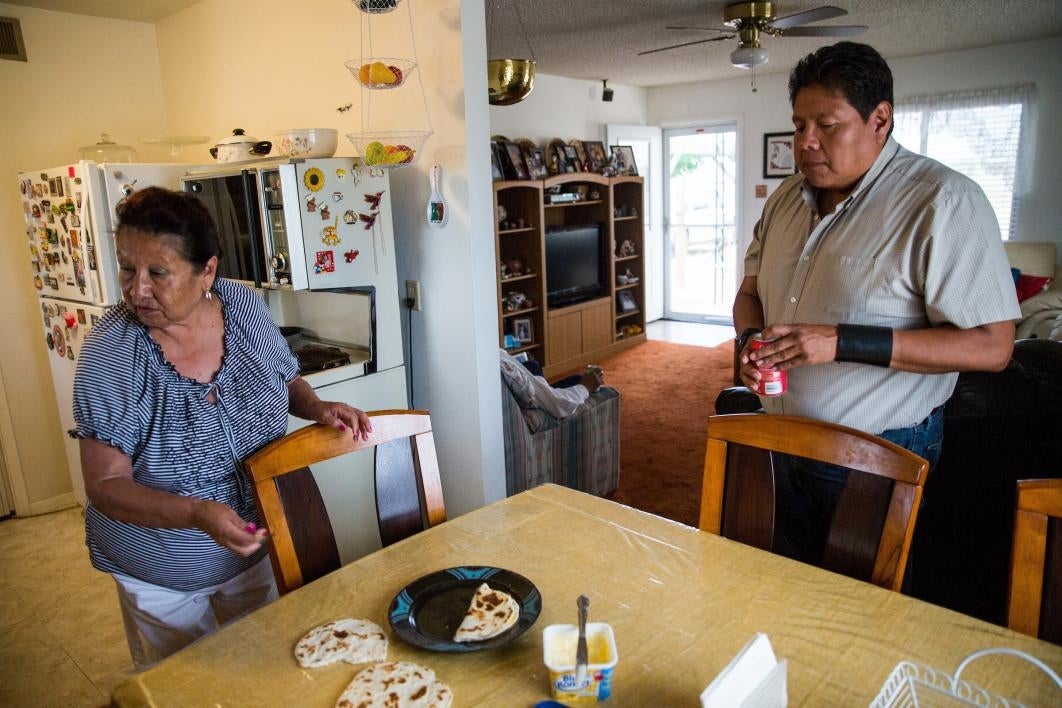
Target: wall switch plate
413 294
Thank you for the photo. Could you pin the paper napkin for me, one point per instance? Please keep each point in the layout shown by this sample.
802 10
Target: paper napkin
753 679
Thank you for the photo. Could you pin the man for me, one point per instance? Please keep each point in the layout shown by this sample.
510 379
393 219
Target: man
533 391
879 273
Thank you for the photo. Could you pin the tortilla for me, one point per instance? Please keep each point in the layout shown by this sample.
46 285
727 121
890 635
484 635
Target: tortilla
490 613
396 684
355 641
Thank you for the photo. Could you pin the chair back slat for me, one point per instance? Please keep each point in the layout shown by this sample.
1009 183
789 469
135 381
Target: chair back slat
408 489
1033 603
870 534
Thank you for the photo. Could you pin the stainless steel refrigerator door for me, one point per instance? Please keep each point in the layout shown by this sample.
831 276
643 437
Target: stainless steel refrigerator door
66 324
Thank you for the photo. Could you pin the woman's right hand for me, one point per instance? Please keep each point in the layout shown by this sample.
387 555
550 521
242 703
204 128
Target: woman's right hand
225 526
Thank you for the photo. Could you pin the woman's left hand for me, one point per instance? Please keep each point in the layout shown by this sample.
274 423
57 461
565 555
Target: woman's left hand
344 417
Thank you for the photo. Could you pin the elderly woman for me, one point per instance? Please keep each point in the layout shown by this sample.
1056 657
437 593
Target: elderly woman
175 386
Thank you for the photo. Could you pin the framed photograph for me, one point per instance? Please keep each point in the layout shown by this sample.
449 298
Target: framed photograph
536 163
523 330
778 159
571 154
514 158
596 159
626 301
580 151
495 163
559 161
623 156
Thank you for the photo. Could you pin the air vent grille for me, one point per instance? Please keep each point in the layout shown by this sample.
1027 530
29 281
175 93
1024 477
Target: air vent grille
11 46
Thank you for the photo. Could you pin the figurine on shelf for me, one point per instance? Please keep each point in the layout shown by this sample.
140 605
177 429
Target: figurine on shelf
515 267
627 249
500 213
503 270
631 278
517 300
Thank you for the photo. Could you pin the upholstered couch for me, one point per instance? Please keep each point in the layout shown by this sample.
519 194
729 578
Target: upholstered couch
1041 314
581 451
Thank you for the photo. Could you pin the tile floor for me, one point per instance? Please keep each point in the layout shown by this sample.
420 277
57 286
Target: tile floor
63 642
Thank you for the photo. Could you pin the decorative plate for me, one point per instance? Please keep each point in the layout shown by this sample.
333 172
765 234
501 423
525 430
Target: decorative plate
429 610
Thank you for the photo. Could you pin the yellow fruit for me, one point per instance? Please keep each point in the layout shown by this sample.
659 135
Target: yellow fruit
375 153
380 74
363 74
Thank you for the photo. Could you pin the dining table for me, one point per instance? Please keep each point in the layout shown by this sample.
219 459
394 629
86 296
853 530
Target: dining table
681 603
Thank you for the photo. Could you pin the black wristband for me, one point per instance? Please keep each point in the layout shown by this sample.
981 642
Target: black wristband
864 344
743 338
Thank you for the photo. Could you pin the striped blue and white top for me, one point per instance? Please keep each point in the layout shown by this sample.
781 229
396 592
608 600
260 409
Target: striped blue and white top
127 395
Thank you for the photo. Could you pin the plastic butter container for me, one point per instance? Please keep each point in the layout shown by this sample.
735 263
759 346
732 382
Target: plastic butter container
558 653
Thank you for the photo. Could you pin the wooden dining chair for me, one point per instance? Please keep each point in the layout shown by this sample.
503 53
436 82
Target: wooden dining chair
408 491
1034 598
870 534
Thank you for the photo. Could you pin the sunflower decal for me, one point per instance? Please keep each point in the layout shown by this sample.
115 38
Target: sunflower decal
314 179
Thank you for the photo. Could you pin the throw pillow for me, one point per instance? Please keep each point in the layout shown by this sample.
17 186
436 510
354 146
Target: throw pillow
1029 285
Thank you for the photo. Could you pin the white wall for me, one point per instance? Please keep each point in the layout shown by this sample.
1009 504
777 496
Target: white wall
279 68
85 75
767 111
569 109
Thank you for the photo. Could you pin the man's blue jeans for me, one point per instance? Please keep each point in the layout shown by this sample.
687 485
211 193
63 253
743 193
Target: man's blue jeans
806 492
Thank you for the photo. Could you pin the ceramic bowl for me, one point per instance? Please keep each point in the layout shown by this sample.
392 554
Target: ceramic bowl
306 142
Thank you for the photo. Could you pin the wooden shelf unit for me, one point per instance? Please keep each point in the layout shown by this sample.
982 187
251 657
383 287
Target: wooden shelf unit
568 338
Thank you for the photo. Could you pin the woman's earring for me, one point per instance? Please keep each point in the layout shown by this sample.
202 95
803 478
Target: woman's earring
209 295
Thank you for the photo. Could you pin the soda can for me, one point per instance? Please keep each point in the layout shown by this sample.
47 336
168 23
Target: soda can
773 382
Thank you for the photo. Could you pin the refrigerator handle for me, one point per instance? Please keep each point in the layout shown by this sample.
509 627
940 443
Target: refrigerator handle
254 223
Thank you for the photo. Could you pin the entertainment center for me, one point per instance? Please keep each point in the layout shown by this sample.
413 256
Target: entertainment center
571 272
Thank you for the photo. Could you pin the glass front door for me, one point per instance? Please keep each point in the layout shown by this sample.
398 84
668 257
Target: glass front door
700 195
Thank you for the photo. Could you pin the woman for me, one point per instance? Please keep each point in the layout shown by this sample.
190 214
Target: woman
176 385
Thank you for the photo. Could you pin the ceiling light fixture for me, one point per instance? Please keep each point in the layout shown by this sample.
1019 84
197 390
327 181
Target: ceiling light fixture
747 57
606 92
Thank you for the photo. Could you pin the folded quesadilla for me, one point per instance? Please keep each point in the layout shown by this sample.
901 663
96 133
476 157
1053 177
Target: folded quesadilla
490 613
396 684
354 641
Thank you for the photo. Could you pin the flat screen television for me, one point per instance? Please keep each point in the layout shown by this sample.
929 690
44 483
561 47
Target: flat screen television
574 264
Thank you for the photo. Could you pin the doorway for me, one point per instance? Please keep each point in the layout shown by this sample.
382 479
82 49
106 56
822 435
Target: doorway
700 207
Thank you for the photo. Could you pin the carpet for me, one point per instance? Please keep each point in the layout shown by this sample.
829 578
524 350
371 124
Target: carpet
667 393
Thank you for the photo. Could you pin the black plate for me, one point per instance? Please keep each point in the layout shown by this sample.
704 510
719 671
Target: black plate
429 610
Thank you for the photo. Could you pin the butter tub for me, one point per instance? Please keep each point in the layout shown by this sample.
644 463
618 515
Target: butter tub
558 653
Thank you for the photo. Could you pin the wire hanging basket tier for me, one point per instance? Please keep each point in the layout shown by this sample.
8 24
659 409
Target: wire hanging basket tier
376 7
392 148
381 72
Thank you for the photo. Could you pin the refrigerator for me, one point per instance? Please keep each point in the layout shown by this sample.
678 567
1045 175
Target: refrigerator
69 213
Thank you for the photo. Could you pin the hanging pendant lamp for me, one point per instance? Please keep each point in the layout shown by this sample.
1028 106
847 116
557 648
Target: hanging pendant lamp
509 81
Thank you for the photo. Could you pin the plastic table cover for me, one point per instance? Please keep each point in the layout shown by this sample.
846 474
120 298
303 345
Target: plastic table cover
681 602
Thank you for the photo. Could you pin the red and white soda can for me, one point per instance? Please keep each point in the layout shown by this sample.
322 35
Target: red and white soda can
773 382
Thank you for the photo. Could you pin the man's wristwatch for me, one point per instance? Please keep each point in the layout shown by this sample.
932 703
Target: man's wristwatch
743 338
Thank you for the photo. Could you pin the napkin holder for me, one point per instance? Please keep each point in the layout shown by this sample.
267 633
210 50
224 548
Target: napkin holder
753 679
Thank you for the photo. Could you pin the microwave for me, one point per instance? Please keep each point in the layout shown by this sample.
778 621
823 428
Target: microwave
313 224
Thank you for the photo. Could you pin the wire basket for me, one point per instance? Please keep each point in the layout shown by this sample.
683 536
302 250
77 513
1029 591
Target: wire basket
912 685
381 72
376 7
389 149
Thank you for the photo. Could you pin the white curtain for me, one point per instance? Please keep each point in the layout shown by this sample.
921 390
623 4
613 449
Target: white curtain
984 134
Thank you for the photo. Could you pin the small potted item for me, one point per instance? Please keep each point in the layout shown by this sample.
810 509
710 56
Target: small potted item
238 147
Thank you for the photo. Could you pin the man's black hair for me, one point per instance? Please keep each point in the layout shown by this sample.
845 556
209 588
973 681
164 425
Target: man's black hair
854 70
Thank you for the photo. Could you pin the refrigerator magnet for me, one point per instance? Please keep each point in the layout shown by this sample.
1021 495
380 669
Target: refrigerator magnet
311 204
81 316
330 234
38 282
350 217
70 352
337 196
369 219
341 174
325 262
314 179
325 213
51 342
351 255
373 200
60 341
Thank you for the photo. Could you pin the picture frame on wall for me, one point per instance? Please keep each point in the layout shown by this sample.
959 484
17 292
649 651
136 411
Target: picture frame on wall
514 157
523 330
778 158
623 157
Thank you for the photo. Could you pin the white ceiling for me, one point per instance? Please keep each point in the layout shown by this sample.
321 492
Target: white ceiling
600 39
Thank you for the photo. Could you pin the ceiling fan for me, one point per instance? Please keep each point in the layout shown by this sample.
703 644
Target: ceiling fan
748 20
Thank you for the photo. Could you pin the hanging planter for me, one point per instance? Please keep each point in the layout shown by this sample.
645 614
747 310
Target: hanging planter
509 81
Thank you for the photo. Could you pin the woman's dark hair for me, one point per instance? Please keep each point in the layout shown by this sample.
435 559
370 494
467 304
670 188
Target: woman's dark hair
855 70
178 215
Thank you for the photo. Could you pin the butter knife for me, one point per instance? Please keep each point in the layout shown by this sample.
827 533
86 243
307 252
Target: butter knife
580 648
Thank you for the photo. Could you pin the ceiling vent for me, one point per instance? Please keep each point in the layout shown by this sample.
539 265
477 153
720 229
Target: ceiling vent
11 45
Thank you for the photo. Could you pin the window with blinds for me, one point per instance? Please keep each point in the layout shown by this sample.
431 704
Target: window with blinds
982 134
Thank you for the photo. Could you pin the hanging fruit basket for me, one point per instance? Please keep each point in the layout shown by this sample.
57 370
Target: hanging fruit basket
389 148
376 7
381 72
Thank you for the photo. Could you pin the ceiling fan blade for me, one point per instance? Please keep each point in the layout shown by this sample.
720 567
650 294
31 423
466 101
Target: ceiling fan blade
703 29
827 31
802 18
684 44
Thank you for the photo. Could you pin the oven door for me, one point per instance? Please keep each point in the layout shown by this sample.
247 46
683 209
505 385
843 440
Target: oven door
233 200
